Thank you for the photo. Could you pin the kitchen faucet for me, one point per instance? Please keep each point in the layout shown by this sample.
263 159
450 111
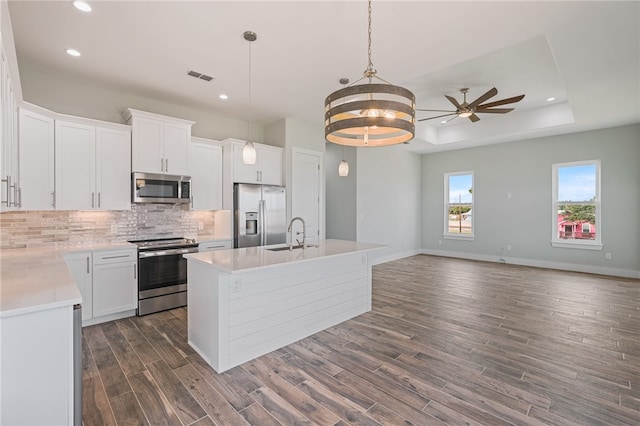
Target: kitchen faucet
304 233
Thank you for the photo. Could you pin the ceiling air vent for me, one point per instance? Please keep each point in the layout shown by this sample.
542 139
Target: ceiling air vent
200 76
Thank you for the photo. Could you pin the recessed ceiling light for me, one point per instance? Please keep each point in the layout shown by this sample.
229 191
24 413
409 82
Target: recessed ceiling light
82 5
551 99
72 52
223 97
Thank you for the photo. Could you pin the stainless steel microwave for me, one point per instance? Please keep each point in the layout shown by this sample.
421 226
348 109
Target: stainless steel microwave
158 188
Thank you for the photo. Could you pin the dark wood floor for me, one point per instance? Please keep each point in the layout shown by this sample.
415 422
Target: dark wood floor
448 341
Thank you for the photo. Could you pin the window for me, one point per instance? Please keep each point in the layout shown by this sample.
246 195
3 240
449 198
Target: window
576 205
458 202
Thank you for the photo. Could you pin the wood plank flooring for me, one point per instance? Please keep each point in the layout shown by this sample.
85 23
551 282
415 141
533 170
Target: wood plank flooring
448 341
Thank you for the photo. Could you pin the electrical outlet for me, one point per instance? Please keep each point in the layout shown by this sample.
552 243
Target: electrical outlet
508 247
114 228
200 226
608 256
237 286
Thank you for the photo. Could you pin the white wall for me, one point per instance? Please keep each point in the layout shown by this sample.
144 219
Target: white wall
523 168
80 97
388 205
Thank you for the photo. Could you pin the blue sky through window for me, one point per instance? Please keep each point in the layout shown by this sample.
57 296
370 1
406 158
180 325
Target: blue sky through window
577 183
459 186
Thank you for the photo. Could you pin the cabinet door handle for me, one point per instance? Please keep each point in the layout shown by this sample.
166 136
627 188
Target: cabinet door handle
166 164
19 197
53 199
98 199
120 256
135 273
8 182
162 164
93 199
15 194
192 201
87 264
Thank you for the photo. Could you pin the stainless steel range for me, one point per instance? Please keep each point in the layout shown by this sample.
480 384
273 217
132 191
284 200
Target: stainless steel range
162 273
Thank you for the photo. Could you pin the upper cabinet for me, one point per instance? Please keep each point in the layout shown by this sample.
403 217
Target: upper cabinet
267 169
205 169
92 166
159 144
36 190
9 169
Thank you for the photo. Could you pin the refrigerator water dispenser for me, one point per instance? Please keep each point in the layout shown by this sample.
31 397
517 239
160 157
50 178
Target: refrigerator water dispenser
251 223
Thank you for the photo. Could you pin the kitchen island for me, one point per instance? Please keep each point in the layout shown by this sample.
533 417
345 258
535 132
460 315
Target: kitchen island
244 303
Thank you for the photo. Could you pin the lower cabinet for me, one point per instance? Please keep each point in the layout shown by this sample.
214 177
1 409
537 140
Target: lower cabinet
108 282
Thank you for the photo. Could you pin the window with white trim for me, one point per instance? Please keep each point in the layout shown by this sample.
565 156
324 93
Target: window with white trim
576 205
458 205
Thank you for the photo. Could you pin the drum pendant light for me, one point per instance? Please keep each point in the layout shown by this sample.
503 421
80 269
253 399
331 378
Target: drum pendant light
249 150
370 114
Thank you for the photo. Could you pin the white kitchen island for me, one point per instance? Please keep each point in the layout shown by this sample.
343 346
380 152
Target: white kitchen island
244 303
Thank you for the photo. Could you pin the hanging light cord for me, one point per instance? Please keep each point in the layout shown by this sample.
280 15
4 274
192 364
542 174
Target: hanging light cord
250 110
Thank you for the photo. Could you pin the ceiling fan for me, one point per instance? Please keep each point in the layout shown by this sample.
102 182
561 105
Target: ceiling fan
469 110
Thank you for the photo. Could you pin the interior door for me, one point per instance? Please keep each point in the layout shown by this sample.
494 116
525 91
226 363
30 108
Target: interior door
307 193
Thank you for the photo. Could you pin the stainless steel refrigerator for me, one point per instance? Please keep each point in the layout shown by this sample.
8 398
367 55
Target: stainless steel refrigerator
259 216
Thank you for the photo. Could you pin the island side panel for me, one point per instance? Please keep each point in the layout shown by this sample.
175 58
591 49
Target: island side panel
272 307
207 306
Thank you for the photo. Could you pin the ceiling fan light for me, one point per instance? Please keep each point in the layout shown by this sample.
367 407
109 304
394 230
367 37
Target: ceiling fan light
465 114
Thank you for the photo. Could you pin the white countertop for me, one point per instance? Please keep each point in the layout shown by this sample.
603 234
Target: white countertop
35 279
245 259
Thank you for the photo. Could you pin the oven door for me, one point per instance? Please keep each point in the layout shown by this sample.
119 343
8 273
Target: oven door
162 272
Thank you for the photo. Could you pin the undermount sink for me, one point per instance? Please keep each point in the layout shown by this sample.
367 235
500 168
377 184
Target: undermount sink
283 248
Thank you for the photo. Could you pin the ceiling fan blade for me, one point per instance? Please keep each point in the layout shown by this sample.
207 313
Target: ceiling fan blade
493 110
474 118
502 102
489 94
435 110
438 116
453 101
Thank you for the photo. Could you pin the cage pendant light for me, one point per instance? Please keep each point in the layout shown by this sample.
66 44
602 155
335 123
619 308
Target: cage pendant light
249 150
373 113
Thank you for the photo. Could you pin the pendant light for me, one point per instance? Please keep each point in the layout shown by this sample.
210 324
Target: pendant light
370 114
249 150
343 167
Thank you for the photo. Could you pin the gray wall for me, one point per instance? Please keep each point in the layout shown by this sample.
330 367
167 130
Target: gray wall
341 193
388 204
523 168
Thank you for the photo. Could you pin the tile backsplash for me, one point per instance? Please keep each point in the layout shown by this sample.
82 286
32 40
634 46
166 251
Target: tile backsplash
21 229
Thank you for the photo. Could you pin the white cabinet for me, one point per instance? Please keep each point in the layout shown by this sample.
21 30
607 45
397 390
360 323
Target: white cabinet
205 169
214 245
108 282
36 190
159 143
267 169
92 167
9 169
36 372
113 169
115 287
80 265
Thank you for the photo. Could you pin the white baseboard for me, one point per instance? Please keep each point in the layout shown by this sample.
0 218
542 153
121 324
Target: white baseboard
590 269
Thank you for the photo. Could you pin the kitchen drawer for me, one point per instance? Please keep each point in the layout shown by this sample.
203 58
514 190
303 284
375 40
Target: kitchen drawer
114 256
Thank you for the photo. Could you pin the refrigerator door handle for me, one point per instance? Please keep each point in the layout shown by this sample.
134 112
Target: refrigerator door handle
263 224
